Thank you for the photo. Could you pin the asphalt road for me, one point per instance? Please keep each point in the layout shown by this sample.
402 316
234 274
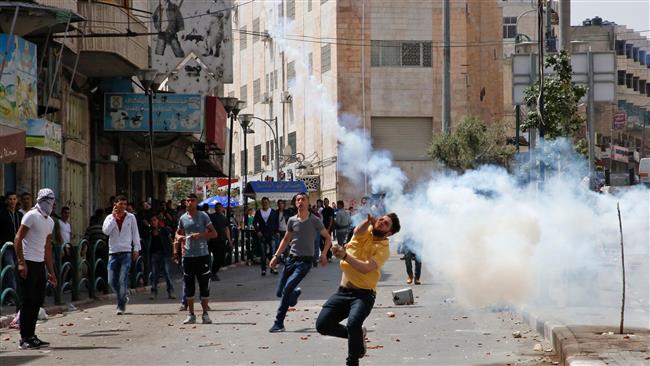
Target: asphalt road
436 330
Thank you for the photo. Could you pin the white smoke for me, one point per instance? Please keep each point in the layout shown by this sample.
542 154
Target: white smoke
495 237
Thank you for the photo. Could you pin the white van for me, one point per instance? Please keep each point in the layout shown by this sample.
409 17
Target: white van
644 171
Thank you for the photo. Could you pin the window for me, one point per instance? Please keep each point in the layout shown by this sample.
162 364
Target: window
76 117
243 94
281 9
291 71
620 47
257 158
242 162
267 86
291 141
642 86
242 38
635 83
509 27
275 79
291 9
325 58
401 53
621 77
308 5
269 152
256 90
628 80
310 63
256 30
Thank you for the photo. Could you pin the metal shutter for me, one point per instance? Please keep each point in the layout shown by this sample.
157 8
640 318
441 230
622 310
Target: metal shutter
407 138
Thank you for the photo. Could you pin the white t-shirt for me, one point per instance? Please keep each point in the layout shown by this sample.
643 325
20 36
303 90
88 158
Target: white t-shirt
39 228
66 230
265 214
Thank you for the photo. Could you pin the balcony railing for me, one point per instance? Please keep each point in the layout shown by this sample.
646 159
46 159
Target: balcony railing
102 18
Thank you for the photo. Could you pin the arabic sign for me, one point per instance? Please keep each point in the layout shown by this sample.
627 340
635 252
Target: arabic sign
12 145
129 112
44 135
193 44
620 120
18 82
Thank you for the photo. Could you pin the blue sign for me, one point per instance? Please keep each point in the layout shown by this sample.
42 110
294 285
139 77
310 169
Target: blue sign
129 112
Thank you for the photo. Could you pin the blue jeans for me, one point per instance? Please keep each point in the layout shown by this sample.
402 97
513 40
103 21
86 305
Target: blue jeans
160 267
119 265
292 273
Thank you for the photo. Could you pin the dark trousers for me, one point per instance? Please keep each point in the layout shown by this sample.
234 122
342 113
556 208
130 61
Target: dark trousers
160 268
265 244
293 272
353 304
408 257
218 249
196 268
32 296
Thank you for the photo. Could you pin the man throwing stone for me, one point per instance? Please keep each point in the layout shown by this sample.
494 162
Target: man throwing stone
361 262
302 230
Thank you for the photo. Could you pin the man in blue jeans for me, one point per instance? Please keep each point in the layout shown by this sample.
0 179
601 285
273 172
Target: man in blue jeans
121 227
302 230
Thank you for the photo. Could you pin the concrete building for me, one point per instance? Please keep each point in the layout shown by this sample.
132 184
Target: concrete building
315 63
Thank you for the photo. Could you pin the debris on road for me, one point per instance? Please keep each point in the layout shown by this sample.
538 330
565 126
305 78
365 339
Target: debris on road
538 347
390 314
516 334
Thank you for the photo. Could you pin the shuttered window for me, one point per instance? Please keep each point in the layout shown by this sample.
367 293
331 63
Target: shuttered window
407 138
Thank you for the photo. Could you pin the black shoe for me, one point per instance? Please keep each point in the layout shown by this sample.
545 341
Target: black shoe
263 272
31 343
215 277
42 342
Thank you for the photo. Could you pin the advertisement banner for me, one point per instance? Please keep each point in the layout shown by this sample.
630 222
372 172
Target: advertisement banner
18 82
129 112
44 135
12 145
193 44
620 120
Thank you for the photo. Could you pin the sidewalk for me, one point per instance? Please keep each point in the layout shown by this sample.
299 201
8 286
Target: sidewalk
583 345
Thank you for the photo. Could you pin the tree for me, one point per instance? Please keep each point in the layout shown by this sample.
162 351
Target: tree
561 99
178 188
472 144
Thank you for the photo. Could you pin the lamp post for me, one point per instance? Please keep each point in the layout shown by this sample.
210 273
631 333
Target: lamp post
232 106
147 77
244 125
248 118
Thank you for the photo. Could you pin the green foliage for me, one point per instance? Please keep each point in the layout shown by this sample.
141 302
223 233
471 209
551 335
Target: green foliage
178 188
561 99
582 147
473 144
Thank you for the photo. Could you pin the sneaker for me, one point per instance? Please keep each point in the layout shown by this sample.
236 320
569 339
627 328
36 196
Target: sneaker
171 296
29 344
274 271
119 311
365 345
417 281
263 272
182 308
297 291
205 318
42 343
191 319
276 328
409 280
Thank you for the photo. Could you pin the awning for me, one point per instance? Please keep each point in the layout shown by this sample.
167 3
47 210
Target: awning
35 19
12 145
282 190
212 201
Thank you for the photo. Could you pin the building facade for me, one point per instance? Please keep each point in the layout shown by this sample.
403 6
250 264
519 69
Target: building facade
375 64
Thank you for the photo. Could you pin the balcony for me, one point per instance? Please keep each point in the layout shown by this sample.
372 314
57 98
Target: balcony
111 56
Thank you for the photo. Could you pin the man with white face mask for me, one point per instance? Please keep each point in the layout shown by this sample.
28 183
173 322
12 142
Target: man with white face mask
33 245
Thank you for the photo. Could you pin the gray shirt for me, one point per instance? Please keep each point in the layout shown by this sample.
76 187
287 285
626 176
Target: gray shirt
191 225
304 234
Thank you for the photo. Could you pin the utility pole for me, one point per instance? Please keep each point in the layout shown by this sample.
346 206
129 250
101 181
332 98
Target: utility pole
565 25
446 80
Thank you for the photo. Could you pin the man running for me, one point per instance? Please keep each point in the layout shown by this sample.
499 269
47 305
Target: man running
302 230
361 262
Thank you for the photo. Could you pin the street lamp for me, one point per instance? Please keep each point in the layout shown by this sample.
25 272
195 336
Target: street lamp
245 123
147 77
232 106
247 118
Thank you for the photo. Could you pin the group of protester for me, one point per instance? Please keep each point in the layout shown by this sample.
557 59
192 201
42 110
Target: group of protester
294 235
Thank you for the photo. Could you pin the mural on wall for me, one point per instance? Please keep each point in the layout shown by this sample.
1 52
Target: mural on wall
18 82
193 44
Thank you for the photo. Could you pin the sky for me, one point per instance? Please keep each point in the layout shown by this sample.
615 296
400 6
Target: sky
634 14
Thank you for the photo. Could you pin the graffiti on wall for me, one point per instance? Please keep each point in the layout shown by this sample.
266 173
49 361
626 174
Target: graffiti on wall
193 44
18 82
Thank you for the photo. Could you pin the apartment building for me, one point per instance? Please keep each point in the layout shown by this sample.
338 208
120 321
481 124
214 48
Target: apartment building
376 64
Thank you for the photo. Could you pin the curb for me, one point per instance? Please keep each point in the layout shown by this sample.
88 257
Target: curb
563 340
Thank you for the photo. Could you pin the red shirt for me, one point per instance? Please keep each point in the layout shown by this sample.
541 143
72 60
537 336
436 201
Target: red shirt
119 220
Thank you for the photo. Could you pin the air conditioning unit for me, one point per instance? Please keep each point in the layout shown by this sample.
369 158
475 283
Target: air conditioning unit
267 98
286 97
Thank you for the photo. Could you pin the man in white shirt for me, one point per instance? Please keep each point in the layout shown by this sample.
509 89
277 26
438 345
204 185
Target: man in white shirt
121 228
33 245
64 224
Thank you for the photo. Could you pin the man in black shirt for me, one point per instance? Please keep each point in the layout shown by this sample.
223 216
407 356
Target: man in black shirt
160 249
10 219
328 220
219 245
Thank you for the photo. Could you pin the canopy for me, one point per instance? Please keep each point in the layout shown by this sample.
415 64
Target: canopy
282 190
212 201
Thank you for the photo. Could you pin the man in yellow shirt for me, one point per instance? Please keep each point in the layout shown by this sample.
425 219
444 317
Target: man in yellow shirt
361 262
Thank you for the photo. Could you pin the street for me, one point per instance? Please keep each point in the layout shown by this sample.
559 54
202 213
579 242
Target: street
436 330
